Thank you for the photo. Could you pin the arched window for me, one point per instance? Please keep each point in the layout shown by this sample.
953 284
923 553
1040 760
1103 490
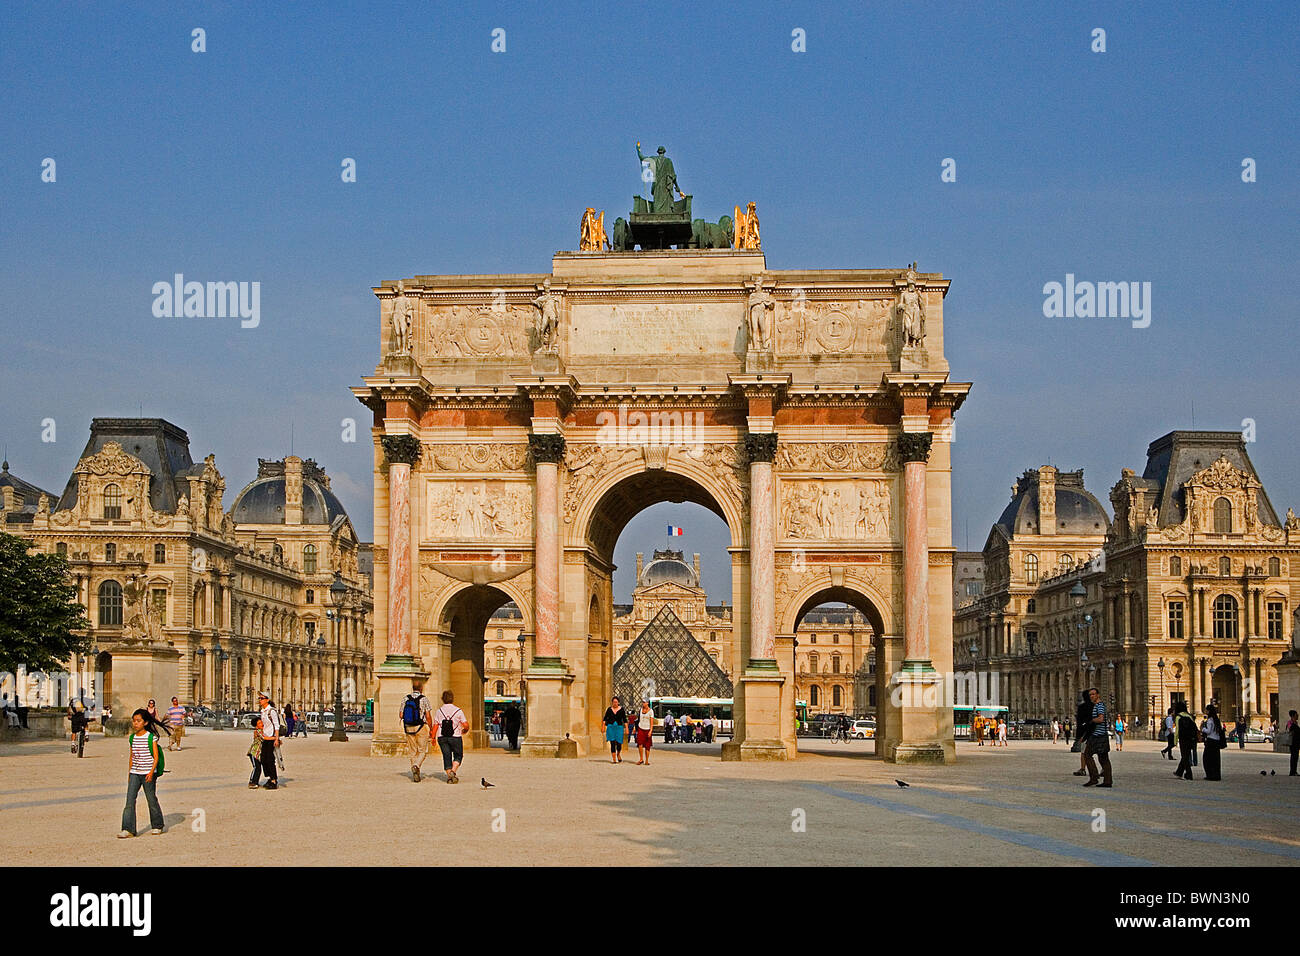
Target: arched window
1222 516
110 604
110 552
814 695
837 696
1225 566
1274 567
160 554
713 635
1225 618
112 501
501 688
309 559
1031 568
1065 562
1176 566
626 635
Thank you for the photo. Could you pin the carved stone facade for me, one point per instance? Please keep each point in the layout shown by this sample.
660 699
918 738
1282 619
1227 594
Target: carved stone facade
1196 572
551 408
164 570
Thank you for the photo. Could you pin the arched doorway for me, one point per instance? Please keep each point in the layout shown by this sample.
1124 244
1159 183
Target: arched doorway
104 680
463 638
1225 684
592 536
839 656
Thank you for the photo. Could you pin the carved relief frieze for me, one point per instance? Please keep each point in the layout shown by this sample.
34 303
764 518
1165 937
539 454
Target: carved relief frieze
830 509
837 456
480 456
491 330
479 509
834 328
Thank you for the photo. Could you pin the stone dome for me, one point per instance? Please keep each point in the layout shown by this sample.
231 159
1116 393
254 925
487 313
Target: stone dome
262 500
1077 510
668 567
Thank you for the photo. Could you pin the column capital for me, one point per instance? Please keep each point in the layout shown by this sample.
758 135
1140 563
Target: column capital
915 446
761 446
401 448
547 448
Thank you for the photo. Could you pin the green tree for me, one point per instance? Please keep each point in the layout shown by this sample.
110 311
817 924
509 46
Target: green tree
39 612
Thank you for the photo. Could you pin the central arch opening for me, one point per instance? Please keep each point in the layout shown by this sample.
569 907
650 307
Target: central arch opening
660 602
470 621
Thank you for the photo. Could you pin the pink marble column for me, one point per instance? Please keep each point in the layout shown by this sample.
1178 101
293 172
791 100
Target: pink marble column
914 449
402 451
548 451
762 556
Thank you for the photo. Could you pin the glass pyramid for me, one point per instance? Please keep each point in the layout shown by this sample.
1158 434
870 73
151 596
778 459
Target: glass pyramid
667 661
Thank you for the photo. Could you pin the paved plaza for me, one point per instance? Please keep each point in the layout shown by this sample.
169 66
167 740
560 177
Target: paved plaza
339 806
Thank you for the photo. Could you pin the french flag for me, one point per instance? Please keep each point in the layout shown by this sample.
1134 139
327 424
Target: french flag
674 531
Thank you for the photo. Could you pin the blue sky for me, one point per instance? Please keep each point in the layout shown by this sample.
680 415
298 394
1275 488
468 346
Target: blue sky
1115 166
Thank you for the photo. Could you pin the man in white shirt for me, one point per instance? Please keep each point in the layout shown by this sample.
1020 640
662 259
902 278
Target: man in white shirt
270 739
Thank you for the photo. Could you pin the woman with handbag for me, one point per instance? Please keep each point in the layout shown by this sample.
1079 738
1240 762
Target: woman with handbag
1215 742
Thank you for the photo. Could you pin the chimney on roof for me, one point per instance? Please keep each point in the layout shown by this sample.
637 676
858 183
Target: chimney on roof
640 560
697 569
293 490
1047 500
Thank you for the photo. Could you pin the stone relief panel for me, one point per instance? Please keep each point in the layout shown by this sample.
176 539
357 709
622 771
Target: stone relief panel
475 331
835 328
837 456
837 510
474 510
484 456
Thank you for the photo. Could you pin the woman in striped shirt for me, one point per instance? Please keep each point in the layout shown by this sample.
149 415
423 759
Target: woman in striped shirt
142 766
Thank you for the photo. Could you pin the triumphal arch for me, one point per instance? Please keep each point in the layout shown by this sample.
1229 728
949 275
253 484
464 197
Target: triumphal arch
520 421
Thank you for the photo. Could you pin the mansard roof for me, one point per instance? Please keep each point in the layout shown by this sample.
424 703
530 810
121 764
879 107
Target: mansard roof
1173 458
163 447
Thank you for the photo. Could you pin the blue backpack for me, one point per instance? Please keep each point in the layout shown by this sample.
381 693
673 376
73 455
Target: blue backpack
411 710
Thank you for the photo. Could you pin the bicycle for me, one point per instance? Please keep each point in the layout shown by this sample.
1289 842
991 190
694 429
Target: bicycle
79 737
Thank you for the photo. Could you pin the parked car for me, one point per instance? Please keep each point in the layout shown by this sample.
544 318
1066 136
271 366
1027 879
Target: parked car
351 722
248 719
365 725
326 724
1253 736
863 729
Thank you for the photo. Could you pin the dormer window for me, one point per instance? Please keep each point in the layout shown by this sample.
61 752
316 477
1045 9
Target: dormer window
1222 516
309 559
112 502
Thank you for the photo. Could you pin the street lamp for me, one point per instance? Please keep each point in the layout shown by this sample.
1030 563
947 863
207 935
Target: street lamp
523 711
338 594
320 646
1236 696
218 675
974 648
1160 666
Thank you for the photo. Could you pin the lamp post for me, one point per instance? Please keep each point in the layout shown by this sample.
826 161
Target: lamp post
218 675
201 656
320 646
1236 693
338 594
974 648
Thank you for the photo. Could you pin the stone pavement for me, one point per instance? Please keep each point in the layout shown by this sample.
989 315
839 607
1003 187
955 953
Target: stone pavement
339 806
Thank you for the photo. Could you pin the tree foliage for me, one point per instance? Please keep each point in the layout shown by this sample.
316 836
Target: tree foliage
39 612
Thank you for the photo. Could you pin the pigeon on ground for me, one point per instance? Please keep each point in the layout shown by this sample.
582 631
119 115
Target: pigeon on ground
483 781
1262 774
1272 773
902 783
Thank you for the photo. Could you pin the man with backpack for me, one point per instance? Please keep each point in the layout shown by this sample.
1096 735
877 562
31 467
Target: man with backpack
270 740
417 724
451 728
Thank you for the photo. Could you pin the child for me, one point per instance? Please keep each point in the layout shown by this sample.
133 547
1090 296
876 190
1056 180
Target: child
143 759
255 756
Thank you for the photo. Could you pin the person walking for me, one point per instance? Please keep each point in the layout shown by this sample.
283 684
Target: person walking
270 739
1242 726
1215 742
1293 739
1169 734
417 726
979 731
1098 742
1185 734
255 756
152 709
290 719
451 729
668 727
176 724
144 763
1056 729
1065 732
1002 732
615 729
1082 733
513 719
1119 732
645 726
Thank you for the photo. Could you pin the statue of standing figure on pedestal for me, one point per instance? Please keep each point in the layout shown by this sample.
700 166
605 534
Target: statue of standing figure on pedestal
759 308
911 309
665 179
403 318
548 318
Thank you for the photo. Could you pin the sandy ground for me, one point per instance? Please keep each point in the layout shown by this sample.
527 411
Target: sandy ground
835 805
